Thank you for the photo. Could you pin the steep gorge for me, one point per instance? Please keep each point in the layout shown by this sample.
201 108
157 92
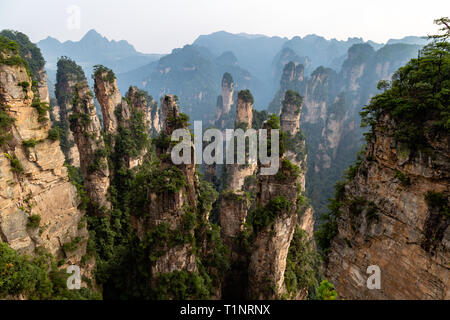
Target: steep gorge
392 210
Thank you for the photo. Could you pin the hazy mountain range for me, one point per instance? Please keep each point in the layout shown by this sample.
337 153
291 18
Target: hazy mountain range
194 72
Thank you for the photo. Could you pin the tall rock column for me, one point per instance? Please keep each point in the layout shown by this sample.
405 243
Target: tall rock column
108 96
86 129
171 202
67 75
273 222
296 151
225 101
234 201
227 92
126 119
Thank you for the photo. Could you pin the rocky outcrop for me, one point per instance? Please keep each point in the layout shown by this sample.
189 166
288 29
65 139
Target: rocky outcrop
386 221
227 92
38 204
132 117
226 103
244 110
234 204
170 207
271 244
296 152
108 97
148 106
321 87
259 213
290 113
86 129
292 78
273 222
67 75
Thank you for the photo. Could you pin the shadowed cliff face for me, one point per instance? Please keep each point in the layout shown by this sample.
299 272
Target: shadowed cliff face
386 221
171 208
86 129
67 76
393 209
259 213
235 206
38 204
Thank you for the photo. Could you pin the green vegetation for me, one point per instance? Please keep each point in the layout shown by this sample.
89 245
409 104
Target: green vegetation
263 217
246 96
182 121
68 70
30 143
329 229
77 180
54 133
403 179
258 118
9 47
417 99
132 140
36 278
356 205
438 201
302 264
180 285
28 51
72 245
273 122
34 221
372 212
5 124
25 85
326 291
42 108
6 45
152 179
104 73
99 161
287 170
292 97
297 145
161 141
16 166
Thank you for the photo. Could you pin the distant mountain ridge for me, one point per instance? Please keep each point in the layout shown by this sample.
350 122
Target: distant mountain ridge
94 49
255 61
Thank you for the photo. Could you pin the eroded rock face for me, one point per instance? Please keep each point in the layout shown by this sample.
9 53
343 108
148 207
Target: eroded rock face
321 86
36 182
62 112
290 113
109 98
246 192
271 245
387 222
227 92
244 112
170 207
86 129
290 123
234 207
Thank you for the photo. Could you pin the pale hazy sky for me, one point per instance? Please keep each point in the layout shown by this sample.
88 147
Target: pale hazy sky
158 26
